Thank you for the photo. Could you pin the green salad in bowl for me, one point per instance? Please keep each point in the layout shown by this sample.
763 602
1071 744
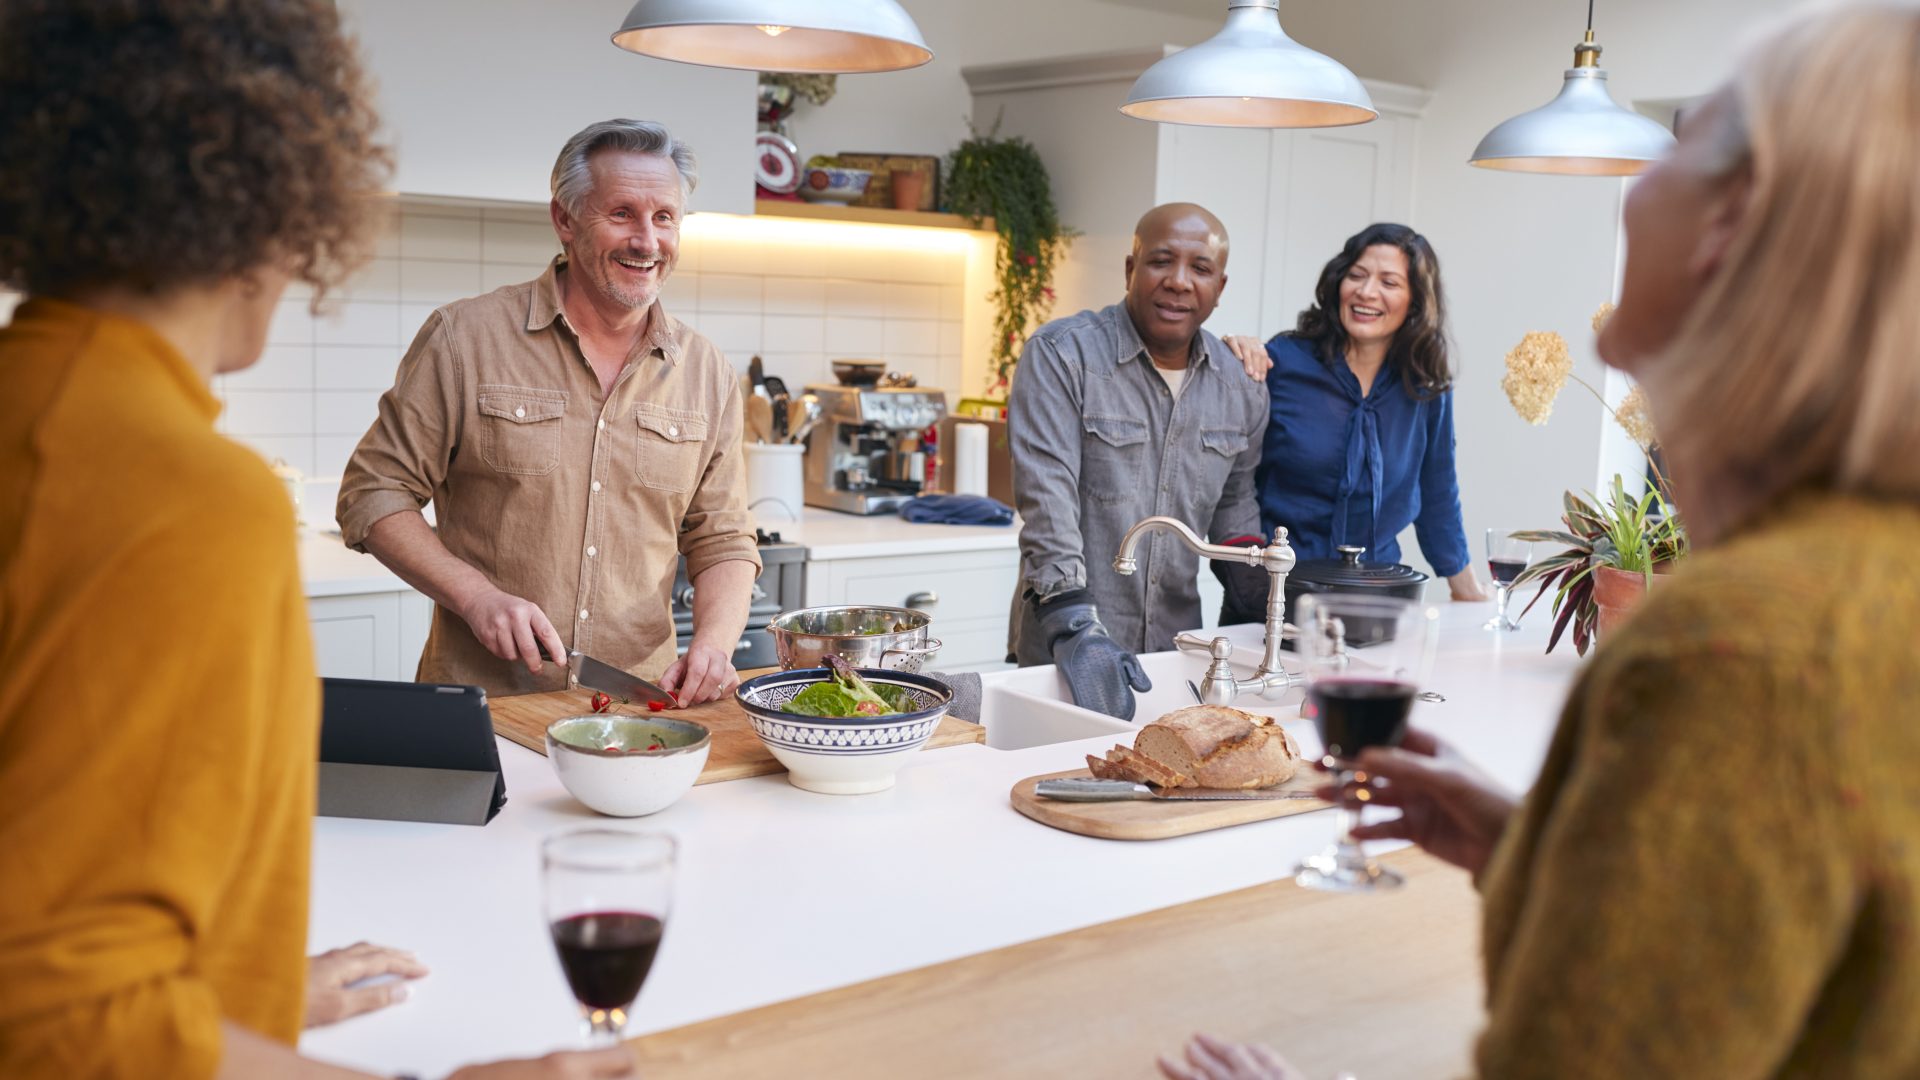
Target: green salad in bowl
847 694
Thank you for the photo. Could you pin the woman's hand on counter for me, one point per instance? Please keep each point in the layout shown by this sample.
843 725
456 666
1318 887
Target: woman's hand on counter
1251 354
330 996
1209 1058
608 1064
1448 807
1467 586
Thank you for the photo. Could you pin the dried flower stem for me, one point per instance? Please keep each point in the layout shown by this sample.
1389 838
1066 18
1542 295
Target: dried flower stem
1659 478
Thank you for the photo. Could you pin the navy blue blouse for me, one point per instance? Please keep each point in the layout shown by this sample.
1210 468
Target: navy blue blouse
1339 468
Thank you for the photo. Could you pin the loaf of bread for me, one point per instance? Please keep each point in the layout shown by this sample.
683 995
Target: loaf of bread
1208 746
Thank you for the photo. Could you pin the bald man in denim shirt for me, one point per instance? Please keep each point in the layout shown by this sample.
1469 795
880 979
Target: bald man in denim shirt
1117 415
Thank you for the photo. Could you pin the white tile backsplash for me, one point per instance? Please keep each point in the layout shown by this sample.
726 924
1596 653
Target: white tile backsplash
799 305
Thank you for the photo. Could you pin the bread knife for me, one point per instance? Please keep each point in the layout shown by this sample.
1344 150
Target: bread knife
1091 790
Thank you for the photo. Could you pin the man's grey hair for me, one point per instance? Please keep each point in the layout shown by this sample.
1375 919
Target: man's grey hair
573 172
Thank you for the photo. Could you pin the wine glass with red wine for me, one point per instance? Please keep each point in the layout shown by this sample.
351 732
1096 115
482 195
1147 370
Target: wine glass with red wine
1365 658
607 893
1506 559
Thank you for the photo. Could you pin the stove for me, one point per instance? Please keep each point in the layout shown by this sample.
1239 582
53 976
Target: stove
777 589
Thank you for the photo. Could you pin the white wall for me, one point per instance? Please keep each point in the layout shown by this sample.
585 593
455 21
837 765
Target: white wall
479 95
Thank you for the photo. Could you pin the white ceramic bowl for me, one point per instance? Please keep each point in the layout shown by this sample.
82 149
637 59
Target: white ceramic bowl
603 760
842 755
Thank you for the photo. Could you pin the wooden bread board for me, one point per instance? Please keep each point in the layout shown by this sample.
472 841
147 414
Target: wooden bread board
736 752
1130 820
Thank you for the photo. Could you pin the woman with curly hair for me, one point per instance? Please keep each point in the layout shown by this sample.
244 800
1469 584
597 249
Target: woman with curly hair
167 167
1359 444
1716 873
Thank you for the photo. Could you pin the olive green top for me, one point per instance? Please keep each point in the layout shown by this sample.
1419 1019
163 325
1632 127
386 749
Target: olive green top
1716 874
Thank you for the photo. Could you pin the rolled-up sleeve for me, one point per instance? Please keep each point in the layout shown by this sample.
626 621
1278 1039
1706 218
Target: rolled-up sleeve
1043 433
718 526
403 457
1442 536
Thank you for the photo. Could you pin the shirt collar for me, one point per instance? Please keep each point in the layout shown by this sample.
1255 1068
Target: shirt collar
140 340
543 309
1127 343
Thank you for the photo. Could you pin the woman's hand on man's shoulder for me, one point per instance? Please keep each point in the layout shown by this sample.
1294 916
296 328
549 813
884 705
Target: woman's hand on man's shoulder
1251 354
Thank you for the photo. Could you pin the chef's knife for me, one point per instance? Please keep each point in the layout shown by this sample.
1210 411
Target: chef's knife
598 675
1090 790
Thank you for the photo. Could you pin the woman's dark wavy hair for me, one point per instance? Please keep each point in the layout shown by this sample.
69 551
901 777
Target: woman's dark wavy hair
1419 349
146 144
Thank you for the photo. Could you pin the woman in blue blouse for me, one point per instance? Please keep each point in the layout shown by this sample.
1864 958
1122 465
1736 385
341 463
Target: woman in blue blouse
1360 440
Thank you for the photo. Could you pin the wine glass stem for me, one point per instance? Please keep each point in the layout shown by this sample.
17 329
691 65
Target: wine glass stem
605 1027
1349 848
1501 594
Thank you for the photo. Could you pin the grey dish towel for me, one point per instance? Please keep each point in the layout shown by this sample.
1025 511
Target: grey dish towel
966 694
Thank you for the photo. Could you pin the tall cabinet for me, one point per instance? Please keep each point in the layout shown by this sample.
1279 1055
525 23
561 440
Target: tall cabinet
1288 198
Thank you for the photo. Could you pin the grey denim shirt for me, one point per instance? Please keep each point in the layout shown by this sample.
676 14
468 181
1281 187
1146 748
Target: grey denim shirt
1100 442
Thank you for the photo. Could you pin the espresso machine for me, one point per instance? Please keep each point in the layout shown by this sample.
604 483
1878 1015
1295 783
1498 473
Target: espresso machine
864 457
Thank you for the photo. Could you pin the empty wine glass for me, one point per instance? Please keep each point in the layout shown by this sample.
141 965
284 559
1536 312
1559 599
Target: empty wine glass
1506 559
607 892
1365 658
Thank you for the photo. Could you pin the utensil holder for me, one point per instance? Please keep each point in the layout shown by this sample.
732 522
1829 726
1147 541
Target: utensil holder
775 477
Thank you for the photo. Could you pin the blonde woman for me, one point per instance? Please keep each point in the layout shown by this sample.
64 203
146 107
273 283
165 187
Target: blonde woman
1717 873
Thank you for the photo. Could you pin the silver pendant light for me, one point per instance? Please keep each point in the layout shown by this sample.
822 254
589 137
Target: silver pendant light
809 36
1250 74
1582 132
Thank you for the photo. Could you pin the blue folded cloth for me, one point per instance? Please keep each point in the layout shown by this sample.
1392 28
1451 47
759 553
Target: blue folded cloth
957 510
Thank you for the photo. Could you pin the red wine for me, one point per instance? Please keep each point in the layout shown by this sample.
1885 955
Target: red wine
606 955
1505 570
1353 714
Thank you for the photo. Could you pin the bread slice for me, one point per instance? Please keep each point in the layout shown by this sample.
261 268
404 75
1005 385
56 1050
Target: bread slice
1124 763
1218 747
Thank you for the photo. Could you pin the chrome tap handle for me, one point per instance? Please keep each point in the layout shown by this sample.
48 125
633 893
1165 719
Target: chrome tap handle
1219 686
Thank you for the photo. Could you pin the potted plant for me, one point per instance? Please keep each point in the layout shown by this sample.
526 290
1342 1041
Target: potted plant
1613 548
1005 179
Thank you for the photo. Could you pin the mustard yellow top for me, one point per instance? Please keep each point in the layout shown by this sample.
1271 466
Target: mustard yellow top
158 713
1718 871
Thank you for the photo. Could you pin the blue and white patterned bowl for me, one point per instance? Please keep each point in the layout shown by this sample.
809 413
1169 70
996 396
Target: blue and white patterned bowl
833 184
842 755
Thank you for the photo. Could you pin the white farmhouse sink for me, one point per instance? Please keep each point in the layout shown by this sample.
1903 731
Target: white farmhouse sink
1033 707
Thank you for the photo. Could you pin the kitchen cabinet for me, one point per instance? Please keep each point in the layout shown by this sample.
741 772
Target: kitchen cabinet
966 592
1288 198
478 96
369 635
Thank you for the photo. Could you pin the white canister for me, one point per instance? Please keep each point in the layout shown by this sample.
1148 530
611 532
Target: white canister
969 459
776 479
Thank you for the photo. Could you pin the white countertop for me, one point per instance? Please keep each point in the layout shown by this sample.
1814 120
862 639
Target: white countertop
328 568
783 893
830 535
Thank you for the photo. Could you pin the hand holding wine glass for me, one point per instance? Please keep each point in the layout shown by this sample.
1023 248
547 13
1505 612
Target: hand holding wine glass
1365 658
1447 806
607 895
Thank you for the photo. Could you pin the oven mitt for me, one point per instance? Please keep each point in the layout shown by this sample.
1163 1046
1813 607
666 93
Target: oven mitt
966 694
1100 674
1245 599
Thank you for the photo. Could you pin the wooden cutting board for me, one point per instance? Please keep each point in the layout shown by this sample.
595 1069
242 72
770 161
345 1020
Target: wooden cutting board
1129 820
737 752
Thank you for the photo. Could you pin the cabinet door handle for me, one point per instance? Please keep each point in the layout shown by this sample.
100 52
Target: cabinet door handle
922 600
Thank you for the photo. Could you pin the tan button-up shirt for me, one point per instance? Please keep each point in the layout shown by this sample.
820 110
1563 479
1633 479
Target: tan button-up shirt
577 502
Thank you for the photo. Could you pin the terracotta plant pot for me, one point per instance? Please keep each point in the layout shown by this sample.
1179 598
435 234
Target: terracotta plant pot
1616 593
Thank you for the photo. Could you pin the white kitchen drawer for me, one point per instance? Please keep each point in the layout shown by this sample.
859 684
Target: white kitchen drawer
967 585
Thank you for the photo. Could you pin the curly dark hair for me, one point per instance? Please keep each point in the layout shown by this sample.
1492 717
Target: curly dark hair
148 144
1419 349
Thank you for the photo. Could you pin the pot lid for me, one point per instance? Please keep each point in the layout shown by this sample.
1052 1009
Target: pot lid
1350 571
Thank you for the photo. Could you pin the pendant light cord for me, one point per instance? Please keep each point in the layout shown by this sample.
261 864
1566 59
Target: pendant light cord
1589 16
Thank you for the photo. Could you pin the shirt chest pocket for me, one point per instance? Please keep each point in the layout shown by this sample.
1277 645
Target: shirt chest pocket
520 428
669 446
1113 458
1219 448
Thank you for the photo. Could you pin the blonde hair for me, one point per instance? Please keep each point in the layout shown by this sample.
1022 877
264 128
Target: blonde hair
1799 364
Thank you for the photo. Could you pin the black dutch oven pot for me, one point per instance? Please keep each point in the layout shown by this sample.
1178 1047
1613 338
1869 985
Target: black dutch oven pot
1348 574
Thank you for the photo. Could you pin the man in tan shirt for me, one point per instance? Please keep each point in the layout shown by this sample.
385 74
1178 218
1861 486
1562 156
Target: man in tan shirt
574 439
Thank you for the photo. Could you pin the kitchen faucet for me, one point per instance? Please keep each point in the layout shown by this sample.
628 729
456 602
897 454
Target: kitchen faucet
1220 687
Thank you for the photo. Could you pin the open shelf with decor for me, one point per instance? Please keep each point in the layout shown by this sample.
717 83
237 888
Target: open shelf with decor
867 215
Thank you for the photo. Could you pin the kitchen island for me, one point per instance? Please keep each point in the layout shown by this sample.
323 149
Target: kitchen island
783 894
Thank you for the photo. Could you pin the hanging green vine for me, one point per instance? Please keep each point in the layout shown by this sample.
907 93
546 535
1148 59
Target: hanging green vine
1005 179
